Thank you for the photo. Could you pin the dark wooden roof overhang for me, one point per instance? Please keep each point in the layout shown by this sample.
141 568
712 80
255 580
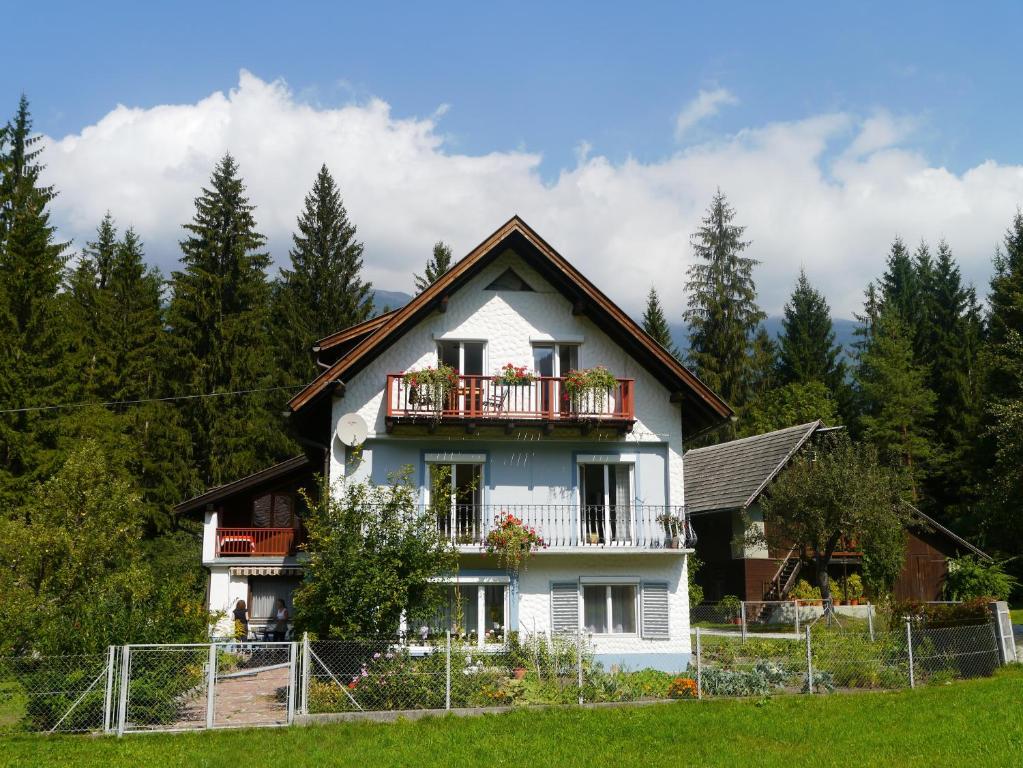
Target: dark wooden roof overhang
703 408
292 469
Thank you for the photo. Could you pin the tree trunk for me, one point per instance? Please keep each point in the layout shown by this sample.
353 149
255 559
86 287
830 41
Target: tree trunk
823 580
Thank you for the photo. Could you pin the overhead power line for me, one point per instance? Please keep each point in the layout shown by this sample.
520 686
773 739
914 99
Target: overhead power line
112 403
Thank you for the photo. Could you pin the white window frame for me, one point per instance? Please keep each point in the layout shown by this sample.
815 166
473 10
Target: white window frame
461 352
450 460
481 583
620 461
607 582
557 345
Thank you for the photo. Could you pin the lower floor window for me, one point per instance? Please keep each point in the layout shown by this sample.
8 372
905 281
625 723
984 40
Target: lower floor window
475 612
609 608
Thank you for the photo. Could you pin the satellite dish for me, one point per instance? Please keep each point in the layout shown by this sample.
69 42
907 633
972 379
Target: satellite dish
352 430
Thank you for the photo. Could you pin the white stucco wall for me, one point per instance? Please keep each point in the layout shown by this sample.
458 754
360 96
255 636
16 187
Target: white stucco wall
225 591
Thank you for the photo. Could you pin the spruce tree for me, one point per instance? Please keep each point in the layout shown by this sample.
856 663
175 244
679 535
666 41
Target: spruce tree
900 284
950 345
323 292
898 405
219 316
807 349
722 311
32 314
1002 451
438 263
655 324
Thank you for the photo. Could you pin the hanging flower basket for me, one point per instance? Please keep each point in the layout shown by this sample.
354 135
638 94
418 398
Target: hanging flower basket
512 542
589 388
430 387
513 375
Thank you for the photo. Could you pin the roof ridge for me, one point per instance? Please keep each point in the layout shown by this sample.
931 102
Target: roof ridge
750 438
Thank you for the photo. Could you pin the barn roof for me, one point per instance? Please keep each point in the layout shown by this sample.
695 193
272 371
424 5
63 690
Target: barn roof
732 475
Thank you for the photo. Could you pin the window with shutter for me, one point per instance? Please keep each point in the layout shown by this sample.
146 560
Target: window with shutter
565 607
655 611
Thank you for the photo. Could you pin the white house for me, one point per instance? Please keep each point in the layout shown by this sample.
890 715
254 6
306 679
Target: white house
598 472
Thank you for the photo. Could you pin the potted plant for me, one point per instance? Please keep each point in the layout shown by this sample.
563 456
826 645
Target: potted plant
804 593
430 386
854 589
514 375
589 387
512 542
593 537
731 609
674 526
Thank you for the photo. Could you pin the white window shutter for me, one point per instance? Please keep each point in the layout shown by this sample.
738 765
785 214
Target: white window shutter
655 611
565 608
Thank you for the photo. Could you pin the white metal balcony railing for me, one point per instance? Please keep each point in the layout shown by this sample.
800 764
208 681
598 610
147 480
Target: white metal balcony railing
571 525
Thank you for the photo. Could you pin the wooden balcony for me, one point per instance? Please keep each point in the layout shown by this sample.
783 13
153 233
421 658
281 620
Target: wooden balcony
482 400
257 542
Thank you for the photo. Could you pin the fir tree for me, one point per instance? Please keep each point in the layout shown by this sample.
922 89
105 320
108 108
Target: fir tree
898 404
900 285
655 324
32 322
807 344
438 263
323 292
219 319
722 312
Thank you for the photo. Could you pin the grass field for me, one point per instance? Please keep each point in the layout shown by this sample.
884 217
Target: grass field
1017 615
966 723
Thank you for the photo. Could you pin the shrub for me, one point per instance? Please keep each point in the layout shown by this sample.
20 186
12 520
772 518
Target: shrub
730 607
803 591
970 577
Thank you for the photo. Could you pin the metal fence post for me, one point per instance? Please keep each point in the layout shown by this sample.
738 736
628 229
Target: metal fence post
447 672
211 683
292 680
795 606
742 613
909 648
809 663
699 665
579 663
870 621
108 693
306 671
122 702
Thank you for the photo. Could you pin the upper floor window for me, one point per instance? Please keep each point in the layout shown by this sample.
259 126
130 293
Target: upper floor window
466 357
553 359
274 510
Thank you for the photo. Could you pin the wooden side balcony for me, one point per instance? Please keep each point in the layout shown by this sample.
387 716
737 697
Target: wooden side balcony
486 400
257 542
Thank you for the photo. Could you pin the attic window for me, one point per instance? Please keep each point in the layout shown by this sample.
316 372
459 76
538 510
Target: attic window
509 280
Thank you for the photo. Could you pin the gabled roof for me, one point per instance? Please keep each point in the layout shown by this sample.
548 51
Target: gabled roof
732 475
702 407
295 466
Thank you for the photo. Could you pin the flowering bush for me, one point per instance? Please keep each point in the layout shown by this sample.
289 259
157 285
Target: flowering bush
512 541
682 688
514 374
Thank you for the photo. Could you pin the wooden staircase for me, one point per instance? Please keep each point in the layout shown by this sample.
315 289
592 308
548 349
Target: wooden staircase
785 577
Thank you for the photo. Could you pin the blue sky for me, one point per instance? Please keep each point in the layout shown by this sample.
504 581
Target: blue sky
545 80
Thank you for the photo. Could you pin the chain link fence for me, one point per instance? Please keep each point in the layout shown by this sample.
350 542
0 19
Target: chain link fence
142 688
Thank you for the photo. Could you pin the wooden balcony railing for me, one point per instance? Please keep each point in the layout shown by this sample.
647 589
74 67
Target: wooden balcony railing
256 542
484 398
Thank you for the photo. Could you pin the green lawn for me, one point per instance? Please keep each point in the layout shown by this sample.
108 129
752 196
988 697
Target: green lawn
967 723
1017 615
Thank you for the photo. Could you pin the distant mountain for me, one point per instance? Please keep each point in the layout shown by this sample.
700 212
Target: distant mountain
845 335
384 301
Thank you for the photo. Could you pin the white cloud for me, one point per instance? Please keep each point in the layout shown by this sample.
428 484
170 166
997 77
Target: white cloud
706 104
626 225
